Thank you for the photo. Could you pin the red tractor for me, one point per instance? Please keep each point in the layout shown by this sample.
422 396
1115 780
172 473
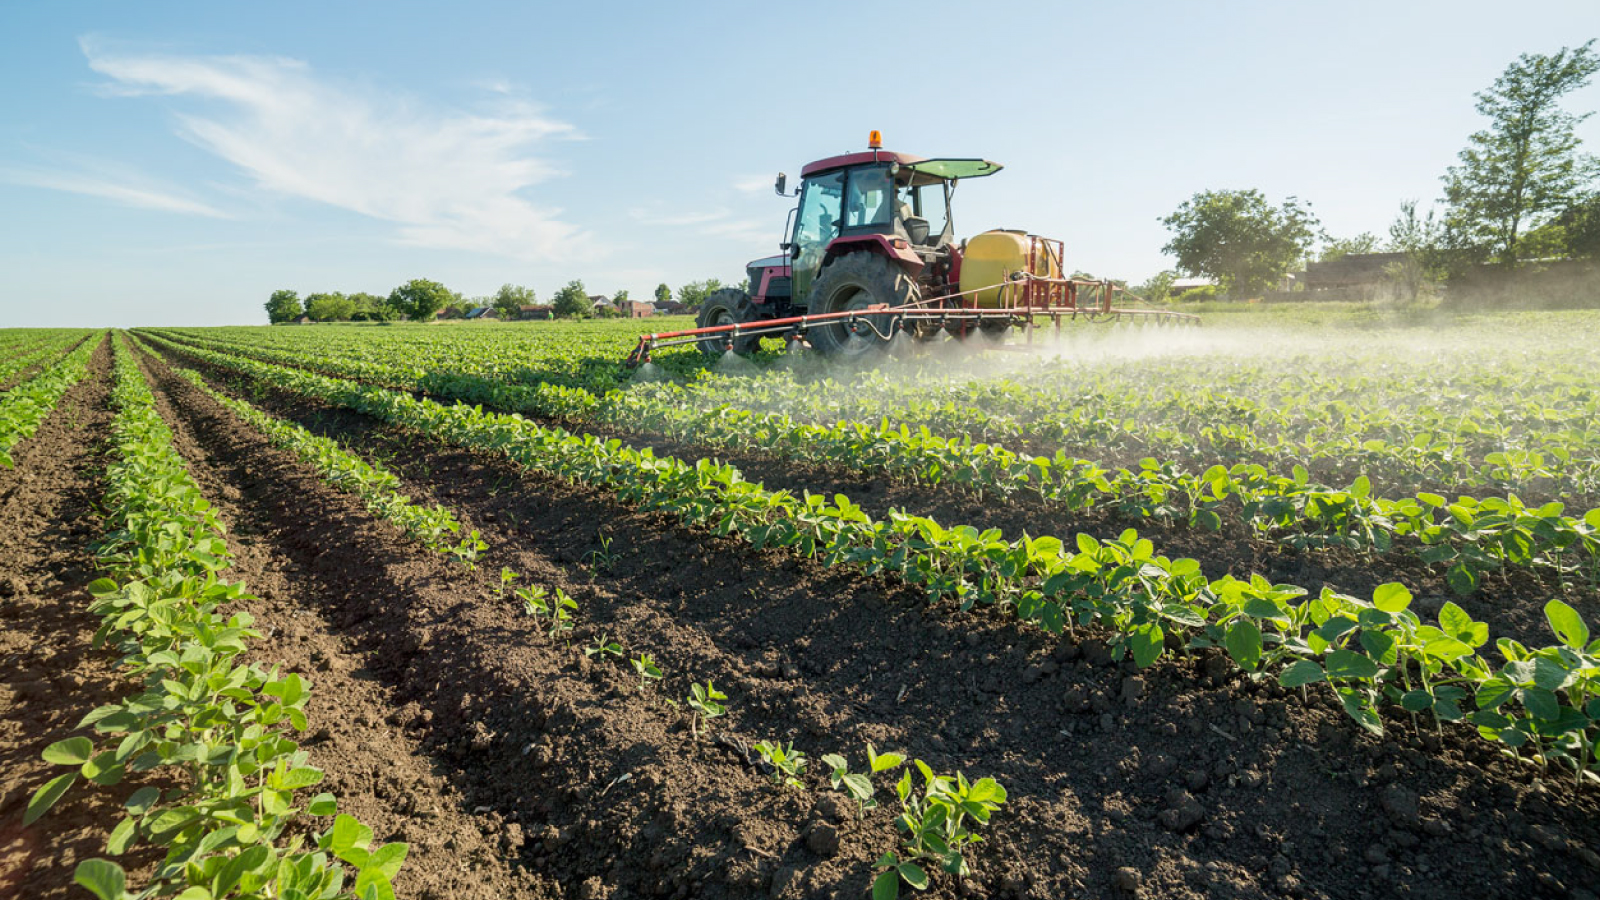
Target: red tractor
871 252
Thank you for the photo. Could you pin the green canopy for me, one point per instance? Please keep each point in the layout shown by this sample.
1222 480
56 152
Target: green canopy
955 168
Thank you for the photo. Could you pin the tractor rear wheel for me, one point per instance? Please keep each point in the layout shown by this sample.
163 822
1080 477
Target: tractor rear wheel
729 306
856 282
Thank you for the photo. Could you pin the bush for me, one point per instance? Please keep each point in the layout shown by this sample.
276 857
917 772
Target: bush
1200 294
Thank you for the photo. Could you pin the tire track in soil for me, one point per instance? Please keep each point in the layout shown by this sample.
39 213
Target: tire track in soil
1202 783
50 675
1512 602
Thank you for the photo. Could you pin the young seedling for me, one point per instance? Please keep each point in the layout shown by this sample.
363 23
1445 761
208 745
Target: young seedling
940 822
703 702
648 671
561 611
601 560
887 885
506 577
787 762
535 600
603 646
859 784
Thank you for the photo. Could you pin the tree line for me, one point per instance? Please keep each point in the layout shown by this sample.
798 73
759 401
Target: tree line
421 300
1521 190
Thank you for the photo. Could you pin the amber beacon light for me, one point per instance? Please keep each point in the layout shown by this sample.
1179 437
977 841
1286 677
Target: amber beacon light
874 140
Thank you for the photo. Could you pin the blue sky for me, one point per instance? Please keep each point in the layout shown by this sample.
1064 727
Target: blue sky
174 163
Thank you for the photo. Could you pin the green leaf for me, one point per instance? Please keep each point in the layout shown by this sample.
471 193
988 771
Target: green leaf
46 796
1344 663
1244 643
1567 624
101 877
1299 673
1462 579
70 752
1146 644
323 805
121 836
914 875
886 886
1392 597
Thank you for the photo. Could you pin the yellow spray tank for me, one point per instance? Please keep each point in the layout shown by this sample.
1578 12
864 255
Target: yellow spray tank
991 257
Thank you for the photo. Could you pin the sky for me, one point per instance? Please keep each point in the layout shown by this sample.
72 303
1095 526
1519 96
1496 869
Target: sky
175 163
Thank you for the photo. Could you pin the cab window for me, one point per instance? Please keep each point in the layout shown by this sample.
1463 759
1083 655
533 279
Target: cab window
868 198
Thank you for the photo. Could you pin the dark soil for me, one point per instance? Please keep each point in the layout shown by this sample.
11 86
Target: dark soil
50 675
1178 781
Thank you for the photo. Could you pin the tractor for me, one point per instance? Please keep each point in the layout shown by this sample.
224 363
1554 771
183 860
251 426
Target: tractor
870 252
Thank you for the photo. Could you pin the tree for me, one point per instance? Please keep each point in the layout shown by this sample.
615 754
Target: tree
372 308
572 302
333 307
1157 289
510 300
1525 168
420 298
1238 239
663 293
283 306
1419 238
619 298
1581 222
695 292
1365 242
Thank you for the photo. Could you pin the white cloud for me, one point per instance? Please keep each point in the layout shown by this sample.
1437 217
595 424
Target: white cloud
122 187
447 178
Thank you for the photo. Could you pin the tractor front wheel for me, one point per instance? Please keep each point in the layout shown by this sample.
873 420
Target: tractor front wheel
729 306
857 282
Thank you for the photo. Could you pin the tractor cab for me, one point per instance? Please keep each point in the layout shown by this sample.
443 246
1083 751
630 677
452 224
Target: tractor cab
890 202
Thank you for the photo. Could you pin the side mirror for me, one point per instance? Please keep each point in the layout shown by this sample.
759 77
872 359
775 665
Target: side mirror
794 250
783 181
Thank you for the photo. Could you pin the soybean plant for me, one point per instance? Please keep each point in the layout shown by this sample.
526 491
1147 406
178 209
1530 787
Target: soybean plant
703 702
859 784
646 667
787 762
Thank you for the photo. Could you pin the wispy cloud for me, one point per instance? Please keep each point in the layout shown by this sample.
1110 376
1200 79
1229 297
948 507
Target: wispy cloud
447 178
753 184
120 186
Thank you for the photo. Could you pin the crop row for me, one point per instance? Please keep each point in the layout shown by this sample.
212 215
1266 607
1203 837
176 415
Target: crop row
211 728
35 352
1369 654
1469 537
25 406
937 823
1419 416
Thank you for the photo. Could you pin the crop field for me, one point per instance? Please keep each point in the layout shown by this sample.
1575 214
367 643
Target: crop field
1294 604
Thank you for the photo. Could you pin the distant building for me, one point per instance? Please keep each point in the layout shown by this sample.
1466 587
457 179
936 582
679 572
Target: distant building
599 300
531 313
303 320
671 308
1354 276
1179 285
638 309
482 312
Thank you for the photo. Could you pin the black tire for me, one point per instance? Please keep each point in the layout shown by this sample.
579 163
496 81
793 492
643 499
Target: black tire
855 282
729 306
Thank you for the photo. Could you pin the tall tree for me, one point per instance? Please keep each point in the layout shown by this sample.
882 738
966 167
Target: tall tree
695 293
1420 238
510 300
1239 239
572 302
663 293
1523 169
283 306
420 298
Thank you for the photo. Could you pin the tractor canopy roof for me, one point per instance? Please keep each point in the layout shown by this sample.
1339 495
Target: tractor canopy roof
925 171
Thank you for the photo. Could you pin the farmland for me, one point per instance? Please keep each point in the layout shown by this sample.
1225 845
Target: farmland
1294 604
